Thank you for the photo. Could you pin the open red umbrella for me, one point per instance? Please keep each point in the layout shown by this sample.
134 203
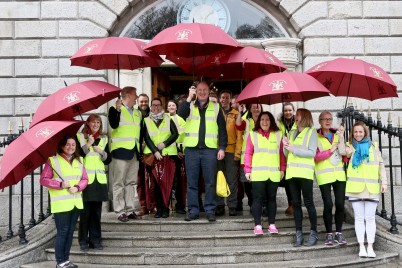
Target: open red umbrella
32 148
241 63
354 78
115 53
189 40
282 87
76 99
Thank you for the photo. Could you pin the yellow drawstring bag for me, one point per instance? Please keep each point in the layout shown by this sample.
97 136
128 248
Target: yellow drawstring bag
222 187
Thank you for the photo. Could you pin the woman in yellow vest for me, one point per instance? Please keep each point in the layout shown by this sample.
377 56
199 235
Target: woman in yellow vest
300 149
65 177
160 134
264 166
246 124
330 173
366 179
94 149
180 190
286 123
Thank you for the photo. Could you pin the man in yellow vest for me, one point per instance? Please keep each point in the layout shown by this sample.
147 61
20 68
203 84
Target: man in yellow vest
125 122
205 142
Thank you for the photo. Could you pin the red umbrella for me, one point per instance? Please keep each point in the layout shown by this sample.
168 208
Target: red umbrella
282 87
115 53
74 100
354 78
32 148
241 63
164 171
189 40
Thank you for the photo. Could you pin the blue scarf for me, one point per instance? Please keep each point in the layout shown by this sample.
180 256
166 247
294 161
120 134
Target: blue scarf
361 151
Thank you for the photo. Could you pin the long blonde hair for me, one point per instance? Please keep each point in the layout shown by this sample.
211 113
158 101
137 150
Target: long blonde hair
306 119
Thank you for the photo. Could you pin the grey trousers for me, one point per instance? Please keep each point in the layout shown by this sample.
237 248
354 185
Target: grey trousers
229 168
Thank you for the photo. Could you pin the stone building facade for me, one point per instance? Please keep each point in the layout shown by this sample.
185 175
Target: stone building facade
38 37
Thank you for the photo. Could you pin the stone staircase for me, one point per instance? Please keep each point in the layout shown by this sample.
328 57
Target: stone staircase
229 242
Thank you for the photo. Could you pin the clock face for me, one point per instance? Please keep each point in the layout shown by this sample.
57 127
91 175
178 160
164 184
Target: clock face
205 11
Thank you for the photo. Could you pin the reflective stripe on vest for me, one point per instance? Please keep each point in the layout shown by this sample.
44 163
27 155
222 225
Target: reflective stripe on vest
266 159
127 135
211 126
249 126
300 167
325 172
160 134
61 200
365 175
93 161
181 127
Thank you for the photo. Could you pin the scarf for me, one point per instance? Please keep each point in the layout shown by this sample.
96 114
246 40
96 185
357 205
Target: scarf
156 117
362 151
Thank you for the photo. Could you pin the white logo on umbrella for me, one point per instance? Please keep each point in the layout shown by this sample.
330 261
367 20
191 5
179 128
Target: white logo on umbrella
269 57
277 85
44 132
183 34
72 96
319 66
90 49
217 58
376 73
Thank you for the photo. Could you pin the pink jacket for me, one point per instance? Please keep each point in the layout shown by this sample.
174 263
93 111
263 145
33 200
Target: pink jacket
248 155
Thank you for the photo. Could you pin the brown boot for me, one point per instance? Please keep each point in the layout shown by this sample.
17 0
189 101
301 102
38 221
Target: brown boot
289 210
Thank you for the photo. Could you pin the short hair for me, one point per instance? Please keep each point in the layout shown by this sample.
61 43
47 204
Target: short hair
63 143
143 95
324 113
127 91
272 125
225 91
306 119
173 101
91 118
157 99
359 123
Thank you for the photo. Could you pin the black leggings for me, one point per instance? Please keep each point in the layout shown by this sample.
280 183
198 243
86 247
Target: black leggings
264 190
303 186
339 193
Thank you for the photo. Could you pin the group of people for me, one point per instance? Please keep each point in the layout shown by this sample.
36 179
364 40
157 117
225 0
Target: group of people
183 149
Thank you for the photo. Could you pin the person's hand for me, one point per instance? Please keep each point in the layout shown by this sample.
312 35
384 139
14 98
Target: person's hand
334 147
90 141
221 154
180 155
118 104
72 190
158 156
65 185
236 158
285 141
348 150
97 149
191 93
384 188
288 147
248 176
282 174
241 108
160 146
340 131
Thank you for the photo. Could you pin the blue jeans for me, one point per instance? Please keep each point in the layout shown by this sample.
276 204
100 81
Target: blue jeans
205 160
65 225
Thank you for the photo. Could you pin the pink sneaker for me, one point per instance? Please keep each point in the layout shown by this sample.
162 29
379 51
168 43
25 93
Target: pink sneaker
272 229
258 230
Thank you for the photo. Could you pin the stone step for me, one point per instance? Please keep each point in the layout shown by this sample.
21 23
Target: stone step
207 255
382 260
205 239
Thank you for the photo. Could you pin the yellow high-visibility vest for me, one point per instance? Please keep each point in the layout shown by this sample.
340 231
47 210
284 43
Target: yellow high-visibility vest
181 127
300 167
127 135
325 172
249 127
160 134
61 200
282 128
365 175
266 157
93 161
211 126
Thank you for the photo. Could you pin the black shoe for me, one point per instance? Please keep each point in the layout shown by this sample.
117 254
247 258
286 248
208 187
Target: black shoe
313 238
211 217
239 206
180 210
220 211
84 247
190 217
298 239
98 247
165 213
158 213
232 212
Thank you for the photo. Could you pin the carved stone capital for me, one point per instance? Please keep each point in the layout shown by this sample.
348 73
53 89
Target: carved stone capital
288 50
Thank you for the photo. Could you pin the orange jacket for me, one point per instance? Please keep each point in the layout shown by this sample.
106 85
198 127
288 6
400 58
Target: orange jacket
235 137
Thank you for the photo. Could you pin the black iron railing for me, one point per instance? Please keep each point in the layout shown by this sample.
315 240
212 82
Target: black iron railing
379 132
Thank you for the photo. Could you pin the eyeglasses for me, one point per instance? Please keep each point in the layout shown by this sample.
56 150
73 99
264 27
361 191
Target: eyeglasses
156 105
326 119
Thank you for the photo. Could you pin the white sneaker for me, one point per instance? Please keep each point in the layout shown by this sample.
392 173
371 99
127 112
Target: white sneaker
370 252
363 252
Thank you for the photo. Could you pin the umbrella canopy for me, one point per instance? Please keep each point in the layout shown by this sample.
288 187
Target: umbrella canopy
74 100
354 78
242 63
164 171
115 53
32 148
282 87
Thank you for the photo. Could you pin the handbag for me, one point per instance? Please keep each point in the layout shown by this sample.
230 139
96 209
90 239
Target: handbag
222 187
148 159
